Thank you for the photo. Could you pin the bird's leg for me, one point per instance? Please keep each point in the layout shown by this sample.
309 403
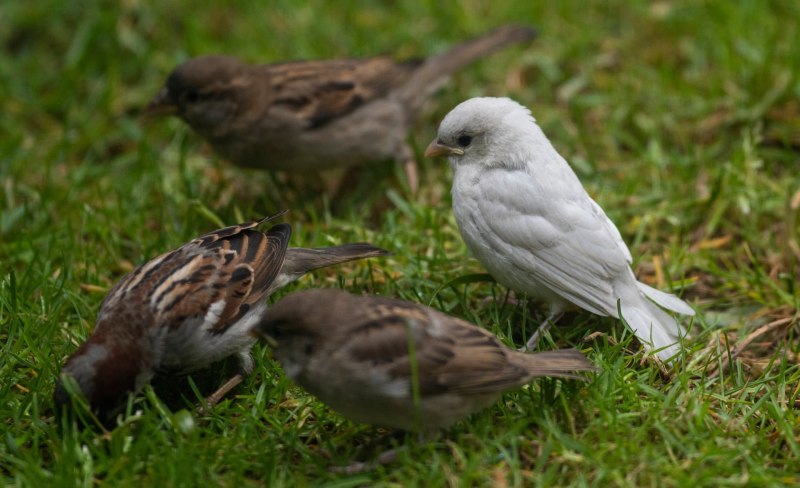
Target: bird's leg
410 167
555 314
409 163
246 367
223 390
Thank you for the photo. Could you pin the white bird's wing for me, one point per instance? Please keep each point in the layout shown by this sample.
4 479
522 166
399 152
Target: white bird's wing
553 232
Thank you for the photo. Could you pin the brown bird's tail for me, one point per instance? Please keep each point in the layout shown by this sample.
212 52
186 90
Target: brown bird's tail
300 260
429 77
564 363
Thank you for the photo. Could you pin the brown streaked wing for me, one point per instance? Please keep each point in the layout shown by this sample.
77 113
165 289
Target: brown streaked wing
384 342
230 231
263 251
237 291
236 263
463 359
480 362
257 260
137 285
321 91
191 287
210 284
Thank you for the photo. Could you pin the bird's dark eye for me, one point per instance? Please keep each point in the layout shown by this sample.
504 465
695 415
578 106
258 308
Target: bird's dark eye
464 140
192 96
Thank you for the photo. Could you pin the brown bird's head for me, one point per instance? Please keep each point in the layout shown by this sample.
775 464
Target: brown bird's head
102 373
206 92
298 324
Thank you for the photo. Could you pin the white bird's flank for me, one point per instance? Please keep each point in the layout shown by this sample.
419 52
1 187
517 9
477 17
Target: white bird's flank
526 217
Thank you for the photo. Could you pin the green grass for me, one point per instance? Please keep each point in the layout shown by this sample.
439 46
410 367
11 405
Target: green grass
681 118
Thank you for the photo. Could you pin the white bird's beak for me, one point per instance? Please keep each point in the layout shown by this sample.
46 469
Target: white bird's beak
436 149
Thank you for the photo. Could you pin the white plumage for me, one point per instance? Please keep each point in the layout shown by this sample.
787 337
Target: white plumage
525 216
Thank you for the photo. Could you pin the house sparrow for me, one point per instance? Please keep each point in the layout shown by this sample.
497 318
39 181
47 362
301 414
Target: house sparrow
313 115
189 308
398 364
525 216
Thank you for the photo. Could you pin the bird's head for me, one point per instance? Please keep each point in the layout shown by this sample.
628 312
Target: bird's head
296 325
206 92
484 131
97 376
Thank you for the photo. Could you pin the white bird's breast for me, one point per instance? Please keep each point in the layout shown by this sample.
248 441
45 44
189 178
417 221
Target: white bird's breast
483 202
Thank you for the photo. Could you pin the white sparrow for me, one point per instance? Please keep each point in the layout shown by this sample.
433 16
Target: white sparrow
526 217
398 364
312 115
189 308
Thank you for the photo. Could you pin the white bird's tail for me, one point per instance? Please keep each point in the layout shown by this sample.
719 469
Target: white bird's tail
654 327
666 300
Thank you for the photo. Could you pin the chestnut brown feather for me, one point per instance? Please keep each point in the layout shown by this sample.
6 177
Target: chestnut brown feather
190 307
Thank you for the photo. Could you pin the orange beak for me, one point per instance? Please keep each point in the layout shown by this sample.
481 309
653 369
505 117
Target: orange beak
436 149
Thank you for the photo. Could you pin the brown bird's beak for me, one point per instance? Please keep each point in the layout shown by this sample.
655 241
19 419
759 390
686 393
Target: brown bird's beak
436 149
161 104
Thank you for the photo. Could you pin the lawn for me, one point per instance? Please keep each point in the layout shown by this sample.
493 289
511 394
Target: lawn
682 120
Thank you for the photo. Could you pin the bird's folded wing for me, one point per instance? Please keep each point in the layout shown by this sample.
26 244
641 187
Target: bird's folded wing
460 358
318 92
265 252
208 284
213 280
556 235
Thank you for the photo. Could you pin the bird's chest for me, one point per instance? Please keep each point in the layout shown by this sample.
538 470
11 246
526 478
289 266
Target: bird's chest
476 211
504 227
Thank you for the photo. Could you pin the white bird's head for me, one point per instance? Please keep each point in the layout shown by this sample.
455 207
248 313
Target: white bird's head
486 131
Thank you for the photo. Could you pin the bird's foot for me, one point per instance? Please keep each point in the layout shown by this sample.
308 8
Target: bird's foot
218 395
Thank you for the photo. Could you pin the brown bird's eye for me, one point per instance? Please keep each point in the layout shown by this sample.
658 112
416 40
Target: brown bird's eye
192 97
464 140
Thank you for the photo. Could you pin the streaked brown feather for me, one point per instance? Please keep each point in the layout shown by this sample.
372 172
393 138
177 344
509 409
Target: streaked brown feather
459 358
367 356
317 92
186 282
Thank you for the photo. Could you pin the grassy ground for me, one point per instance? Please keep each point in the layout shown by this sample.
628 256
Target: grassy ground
682 119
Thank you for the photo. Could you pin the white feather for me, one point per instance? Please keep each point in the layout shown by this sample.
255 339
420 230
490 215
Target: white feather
213 314
670 302
526 217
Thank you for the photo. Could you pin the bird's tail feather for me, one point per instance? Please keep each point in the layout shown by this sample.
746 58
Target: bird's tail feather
432 74
666 300
301 260
654 327
564 363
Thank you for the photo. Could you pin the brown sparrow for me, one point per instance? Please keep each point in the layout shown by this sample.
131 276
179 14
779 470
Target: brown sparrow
312 115
398 364
189 308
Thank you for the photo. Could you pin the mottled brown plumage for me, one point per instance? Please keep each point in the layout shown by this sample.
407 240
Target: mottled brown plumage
312 115
368 357
191 307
